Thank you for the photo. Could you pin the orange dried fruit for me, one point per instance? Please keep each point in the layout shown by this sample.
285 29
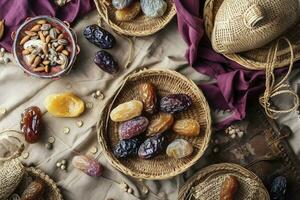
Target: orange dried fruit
129 13
186 127
64 104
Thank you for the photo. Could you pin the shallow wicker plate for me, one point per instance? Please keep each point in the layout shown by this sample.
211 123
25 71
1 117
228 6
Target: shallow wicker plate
255 59
161 166
141 26
206 183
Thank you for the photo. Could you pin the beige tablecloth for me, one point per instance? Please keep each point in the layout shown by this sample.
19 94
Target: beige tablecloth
165 49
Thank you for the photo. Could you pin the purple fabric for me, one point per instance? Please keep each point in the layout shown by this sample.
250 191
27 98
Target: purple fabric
16 11
234 84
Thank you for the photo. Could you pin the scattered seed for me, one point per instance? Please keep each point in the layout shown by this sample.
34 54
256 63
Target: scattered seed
94 150
51 139
36 28
89 105
215 149
66 130
49 145
30 33
63 167
130 191
58 164
145 190
42 21
64 162
25 39
25 155
79 123
2 111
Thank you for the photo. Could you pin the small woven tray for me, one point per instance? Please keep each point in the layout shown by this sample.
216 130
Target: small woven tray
255 59
206 184
161 166
141 26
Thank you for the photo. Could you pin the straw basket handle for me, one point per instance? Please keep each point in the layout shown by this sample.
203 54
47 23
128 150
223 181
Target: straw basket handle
253 15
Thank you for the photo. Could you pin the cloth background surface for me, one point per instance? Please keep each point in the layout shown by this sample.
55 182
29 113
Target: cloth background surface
19 91
16 11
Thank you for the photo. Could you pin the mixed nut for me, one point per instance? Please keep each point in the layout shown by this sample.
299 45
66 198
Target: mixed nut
45 47
133 125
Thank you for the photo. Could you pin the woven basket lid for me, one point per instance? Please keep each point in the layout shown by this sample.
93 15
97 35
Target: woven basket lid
141 25
161 166
206 184
255 59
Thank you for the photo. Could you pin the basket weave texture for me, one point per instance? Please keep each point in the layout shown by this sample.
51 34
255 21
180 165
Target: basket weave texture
141 25
206 184
256 59
161 166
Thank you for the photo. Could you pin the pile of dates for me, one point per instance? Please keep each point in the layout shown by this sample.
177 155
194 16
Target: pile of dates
147 138
127 10
104 40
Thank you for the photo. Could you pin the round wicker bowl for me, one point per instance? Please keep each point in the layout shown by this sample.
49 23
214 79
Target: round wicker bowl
206 183
161 166
255 59
141 26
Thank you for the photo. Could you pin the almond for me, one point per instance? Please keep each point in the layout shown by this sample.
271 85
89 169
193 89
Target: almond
59 48
37 61
35 28
42 37
42 21
25 39
30 33
2 25
39 69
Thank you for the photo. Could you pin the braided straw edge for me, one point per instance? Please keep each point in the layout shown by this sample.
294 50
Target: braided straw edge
186 188
42 175
209 19
129 32
127 171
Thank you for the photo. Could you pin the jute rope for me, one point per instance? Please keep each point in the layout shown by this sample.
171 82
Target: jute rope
281 88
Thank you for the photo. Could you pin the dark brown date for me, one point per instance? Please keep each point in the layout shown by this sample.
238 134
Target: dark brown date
175 103
34 191
106 62
148 97
133 127
31 124
126 148
151 147
229 188
99 37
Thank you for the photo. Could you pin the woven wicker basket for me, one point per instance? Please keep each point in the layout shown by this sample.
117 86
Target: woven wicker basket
141 26
206 183
255 59
160 167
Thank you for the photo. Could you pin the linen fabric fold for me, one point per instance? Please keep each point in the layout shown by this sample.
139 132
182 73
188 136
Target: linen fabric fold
14 12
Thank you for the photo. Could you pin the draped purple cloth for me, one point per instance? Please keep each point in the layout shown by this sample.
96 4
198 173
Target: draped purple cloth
235 85
16 11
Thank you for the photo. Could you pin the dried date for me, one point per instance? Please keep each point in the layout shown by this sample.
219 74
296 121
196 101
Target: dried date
151 147
34 191
106 62
229 188
31 123
278 188
126 148
132 128
175 103
99 37
126 111
186 127
160 124
148 96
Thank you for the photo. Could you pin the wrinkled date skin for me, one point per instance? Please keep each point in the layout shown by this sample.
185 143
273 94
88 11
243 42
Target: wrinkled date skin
278 188
148 96
133 127
126 148
99 37
151 147
160 124
186 127
31 124
34 191
175 103
106 62
229 188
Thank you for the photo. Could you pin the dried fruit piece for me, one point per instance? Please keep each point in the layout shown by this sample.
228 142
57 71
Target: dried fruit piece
99 37
120 4
229 188
133 127
126 148
154 8
160 124
88 165
2 25
186 127
34 191
151 147
175 103
148 97
126 111
278 188
179 148
31 124
64 105
106 62
128 13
